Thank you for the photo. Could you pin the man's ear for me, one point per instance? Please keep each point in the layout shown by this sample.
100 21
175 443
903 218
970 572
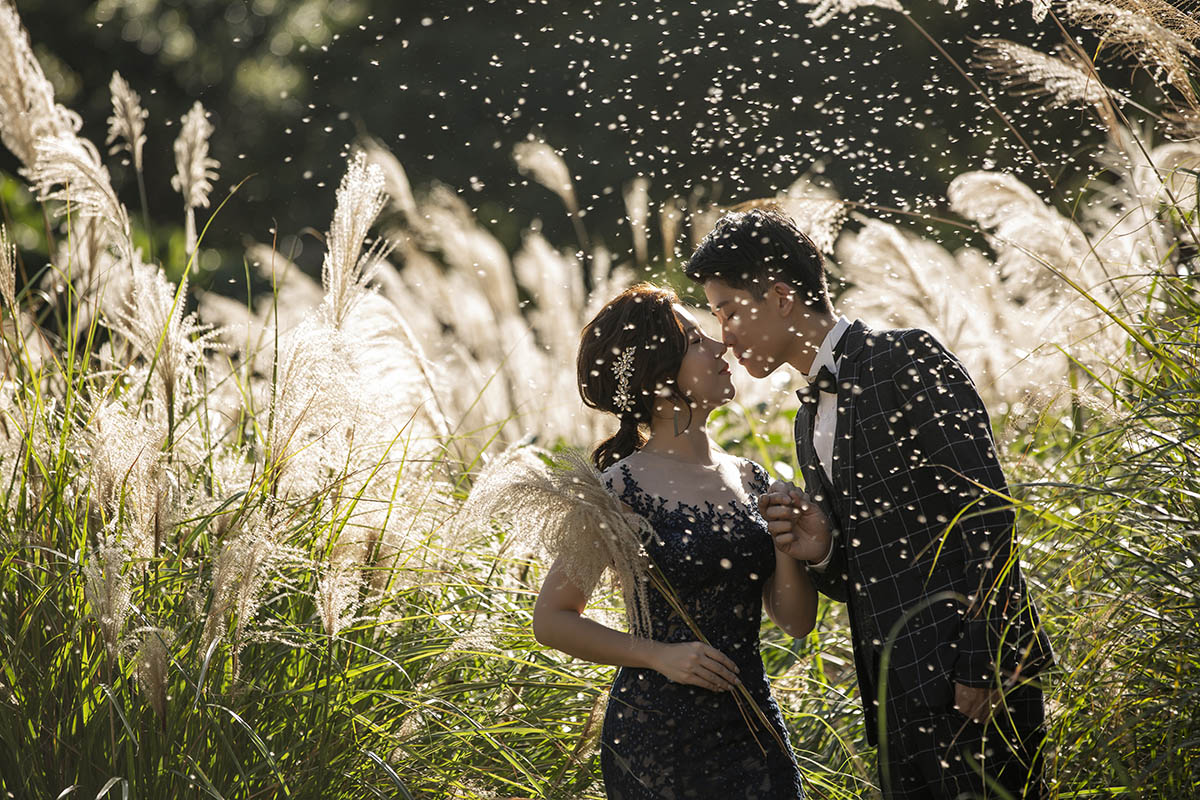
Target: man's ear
783 297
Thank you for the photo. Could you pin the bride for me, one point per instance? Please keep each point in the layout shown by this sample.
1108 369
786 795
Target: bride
678 722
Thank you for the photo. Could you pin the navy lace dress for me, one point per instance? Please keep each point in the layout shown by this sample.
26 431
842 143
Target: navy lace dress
663 739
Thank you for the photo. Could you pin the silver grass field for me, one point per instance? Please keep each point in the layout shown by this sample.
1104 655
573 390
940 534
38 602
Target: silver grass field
234 557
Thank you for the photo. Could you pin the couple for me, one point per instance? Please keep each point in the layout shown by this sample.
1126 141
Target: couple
903 518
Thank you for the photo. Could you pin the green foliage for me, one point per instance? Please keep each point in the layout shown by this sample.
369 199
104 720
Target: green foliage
392 706
1110 513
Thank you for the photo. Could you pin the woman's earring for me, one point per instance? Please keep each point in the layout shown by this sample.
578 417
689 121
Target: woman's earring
680 422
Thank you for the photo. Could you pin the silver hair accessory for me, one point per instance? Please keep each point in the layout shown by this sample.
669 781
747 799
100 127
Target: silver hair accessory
623 369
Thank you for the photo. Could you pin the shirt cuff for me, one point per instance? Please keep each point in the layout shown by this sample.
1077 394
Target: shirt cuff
820 566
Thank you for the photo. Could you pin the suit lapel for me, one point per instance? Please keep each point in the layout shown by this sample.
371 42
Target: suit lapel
843 442
806 454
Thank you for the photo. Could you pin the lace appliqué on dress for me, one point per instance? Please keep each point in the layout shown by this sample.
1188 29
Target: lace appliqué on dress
666 739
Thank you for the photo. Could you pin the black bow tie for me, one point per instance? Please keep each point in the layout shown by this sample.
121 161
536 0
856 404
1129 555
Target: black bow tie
825 381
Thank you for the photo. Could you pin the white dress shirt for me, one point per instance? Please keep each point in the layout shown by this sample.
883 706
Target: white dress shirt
825 427
825 423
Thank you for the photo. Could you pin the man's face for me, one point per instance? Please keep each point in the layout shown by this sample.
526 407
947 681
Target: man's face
753 329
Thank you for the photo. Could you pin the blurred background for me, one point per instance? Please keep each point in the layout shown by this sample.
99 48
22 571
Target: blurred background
716 104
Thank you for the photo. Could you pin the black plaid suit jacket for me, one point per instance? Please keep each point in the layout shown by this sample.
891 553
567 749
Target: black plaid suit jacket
923 552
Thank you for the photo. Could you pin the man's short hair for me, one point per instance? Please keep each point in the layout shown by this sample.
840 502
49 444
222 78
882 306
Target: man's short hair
751 250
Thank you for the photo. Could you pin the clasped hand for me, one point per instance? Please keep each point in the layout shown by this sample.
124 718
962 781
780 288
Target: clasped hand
797 524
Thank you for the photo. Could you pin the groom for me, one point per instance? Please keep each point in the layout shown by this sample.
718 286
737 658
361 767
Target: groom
904 519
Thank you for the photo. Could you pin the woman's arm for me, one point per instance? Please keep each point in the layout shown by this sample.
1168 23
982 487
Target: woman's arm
558 622
789 597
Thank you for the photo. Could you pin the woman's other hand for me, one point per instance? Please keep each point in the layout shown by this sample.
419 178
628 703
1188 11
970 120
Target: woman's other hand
697 664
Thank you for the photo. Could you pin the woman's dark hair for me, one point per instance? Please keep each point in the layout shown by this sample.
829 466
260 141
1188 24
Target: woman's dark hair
640 317
750 250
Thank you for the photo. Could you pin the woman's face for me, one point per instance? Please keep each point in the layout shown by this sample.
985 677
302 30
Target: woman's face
703 374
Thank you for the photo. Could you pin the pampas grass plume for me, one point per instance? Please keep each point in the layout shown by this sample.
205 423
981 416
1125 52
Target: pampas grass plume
559 502
1029 72
540 161
127 125
8 269
195 171
108 590
637 210
28 112
347 268
67 169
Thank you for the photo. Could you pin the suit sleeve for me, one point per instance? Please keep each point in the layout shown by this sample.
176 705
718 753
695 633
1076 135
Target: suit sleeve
952 434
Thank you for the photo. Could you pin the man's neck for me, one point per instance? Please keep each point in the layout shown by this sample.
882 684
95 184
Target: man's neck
810 333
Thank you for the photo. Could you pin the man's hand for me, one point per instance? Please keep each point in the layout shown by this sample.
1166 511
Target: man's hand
977 702
797 524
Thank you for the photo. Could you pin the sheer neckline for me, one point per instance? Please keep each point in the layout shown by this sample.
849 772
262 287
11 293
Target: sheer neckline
643 501
716 465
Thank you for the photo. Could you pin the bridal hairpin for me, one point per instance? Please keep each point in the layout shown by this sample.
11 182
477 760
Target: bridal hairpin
623 369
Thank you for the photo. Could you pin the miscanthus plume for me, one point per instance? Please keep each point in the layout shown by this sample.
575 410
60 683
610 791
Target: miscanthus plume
126 477
349 262
28 111
1157 35
1061 79
637 211
152 654
108 589
195 170
67 171
168 343
247 558
127 125
559 504
8 270
542 163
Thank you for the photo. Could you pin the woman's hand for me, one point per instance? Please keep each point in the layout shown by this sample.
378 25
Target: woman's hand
797 524
697 664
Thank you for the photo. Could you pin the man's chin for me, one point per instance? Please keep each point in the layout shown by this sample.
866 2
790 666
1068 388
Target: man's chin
759 369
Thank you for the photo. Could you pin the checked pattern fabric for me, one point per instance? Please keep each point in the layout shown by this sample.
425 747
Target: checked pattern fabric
924 555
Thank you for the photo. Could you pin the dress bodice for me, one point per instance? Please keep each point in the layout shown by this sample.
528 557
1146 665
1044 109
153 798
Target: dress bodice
666 739
716 555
